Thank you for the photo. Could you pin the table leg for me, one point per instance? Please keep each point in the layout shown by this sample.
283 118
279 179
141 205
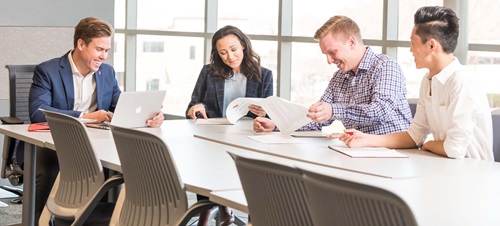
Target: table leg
29 184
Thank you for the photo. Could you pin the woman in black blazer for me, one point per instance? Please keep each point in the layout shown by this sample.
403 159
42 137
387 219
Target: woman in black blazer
234 71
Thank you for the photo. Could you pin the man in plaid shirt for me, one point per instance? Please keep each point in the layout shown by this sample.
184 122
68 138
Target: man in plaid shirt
367 93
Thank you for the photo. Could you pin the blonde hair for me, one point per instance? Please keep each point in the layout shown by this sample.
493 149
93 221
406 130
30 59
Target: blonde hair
338 25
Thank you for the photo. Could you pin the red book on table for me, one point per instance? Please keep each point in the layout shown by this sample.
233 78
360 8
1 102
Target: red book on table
40 126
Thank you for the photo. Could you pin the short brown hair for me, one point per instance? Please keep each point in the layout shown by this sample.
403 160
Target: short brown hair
338 25
89 28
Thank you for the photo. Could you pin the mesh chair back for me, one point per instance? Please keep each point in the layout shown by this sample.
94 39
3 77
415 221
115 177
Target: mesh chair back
81 173
275 193
155 194
334 201
495 118
413 106
20 79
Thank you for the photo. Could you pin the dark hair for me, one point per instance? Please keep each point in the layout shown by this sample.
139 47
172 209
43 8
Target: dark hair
250 65
89 28
440 23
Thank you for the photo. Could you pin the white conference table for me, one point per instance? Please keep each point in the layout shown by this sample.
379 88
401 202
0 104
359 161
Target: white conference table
203 166
31 140
469 199
316 151
208 170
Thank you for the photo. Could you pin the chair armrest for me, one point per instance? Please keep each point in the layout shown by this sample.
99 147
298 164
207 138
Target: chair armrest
83 214
11 120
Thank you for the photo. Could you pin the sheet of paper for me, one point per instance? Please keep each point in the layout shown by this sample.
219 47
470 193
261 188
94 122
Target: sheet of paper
287 116
336 128
276 138
369 152
239 108
213 121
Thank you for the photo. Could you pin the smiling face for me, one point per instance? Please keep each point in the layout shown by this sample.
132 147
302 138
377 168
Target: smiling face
230 51
421 51
338 50
91 56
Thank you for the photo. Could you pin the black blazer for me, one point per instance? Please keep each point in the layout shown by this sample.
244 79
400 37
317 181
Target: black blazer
210 91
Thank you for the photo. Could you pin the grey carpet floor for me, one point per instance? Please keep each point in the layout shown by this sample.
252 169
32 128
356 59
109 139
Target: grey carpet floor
12 214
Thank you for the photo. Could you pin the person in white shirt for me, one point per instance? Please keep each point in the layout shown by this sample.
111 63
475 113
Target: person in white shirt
450 106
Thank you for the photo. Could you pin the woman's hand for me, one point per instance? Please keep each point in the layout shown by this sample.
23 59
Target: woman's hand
257 110
195 110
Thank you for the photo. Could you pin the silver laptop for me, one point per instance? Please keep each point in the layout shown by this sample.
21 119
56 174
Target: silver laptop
134 109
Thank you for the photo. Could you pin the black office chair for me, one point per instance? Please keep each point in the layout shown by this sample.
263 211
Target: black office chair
20 79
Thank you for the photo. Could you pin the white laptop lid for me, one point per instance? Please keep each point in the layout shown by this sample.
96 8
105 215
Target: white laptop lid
135 108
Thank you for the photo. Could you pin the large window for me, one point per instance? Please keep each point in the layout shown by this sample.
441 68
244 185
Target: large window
252 17
309 15
173 69
484 34
163 45
171 15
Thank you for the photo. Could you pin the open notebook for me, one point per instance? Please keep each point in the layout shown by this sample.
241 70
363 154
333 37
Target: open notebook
134 109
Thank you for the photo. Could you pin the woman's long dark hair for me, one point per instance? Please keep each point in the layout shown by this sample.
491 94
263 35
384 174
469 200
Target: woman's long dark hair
250 65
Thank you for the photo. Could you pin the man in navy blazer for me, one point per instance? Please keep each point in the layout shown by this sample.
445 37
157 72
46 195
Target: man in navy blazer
79 84
53 90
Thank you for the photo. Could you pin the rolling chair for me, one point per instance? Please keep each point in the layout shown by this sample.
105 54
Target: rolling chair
495 117
81 184
275 193
413 106
153 192
335 201
20 79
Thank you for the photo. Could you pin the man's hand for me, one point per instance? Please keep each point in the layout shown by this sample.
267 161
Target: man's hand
156 121
197 109
261 124
99 116
320 112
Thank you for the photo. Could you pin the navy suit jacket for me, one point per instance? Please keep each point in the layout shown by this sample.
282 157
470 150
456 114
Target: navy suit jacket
210 91
52 88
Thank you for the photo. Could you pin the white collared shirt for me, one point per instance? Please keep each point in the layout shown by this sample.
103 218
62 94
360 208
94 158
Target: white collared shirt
85 89
456 112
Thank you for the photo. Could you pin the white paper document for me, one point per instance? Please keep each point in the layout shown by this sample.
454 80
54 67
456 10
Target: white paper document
276 138
369 152
287 116
335 129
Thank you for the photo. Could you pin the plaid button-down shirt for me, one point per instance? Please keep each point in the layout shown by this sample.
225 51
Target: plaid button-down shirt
372 101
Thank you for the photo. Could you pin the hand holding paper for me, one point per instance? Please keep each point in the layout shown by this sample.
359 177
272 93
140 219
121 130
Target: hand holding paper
287 116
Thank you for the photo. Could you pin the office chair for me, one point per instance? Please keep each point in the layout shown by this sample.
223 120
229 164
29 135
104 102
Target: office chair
153 192
275 193
413 106
335 201
495 117
20 79
81 184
